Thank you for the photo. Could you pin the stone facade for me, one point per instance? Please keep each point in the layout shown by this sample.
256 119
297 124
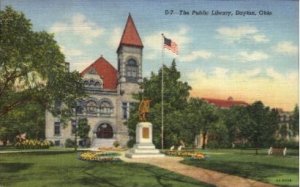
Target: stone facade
109 95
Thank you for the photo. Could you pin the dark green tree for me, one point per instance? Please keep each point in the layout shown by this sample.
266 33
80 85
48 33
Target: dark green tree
83 129
263 125
32 68
236 119
32 73
29 118
176 94
294 121
202 117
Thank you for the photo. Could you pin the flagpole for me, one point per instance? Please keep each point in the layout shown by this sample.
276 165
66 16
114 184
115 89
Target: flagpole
162 93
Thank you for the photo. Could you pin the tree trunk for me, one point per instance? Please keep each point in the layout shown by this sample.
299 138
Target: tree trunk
204 138
256 151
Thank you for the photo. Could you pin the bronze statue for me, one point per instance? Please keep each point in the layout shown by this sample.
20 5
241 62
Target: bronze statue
144 109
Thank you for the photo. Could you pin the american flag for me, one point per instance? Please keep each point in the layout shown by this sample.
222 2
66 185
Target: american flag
172 46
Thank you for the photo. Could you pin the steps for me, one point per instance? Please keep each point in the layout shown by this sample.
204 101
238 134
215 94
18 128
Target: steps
102 142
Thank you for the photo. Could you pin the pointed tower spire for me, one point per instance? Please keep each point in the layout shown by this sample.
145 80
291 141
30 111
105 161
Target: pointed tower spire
130 35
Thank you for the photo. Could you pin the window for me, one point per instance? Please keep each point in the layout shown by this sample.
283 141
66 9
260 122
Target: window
57 143
105 107
132 69
73 123
126 107
91 107
57 128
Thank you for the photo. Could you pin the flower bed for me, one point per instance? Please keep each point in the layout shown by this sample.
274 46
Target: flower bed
186 154
33 144
99 156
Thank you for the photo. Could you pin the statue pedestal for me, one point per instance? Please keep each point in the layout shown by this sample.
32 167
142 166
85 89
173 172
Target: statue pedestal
144 148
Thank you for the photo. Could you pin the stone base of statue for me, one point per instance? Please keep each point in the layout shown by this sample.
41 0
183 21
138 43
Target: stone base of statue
144 148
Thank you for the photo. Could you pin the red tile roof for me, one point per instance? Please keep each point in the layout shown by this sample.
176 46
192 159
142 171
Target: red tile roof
106 71
130 35
225 103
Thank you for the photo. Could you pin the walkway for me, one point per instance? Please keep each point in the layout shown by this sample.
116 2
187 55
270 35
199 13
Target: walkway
203 175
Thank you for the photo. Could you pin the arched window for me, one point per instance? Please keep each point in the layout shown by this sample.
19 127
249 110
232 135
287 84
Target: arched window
91 106
92 82
106 108
104 130
132 69
86 83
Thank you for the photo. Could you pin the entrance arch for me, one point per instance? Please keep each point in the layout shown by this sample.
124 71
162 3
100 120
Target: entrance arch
104 130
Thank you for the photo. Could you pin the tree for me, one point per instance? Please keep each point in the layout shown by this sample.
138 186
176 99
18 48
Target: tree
176 94
263 125
32 73
32 68
294 121
202 117
83 129
29 118
236 119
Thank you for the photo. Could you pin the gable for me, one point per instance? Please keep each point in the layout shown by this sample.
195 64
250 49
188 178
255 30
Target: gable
105 71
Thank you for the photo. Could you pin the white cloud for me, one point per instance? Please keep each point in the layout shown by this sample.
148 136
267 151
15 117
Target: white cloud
84 29
260 38
286 47
115 37
194 55
274 74
71 52
236 34
253 72
245 56
220 72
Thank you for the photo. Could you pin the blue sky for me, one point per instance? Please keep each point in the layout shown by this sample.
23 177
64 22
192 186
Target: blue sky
247 57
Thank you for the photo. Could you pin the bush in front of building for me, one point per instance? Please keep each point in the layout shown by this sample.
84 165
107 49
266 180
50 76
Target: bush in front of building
286 143
33 144
217 145
69 143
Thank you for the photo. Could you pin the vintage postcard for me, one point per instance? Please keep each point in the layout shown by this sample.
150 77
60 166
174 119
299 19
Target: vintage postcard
149 93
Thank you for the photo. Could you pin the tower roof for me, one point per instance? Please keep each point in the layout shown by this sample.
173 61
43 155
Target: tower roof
106 71
130 34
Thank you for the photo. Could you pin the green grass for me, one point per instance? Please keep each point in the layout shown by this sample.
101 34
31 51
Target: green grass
52 148
64 169
278 170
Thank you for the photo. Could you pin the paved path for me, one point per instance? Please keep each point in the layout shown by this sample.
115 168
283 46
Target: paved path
203 175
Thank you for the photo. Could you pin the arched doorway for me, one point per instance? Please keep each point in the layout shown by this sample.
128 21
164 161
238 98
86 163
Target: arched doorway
104 130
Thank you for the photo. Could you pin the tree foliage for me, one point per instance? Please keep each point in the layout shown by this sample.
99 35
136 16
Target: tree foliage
295 121
83 128
176 94
32 71
202 117
32 68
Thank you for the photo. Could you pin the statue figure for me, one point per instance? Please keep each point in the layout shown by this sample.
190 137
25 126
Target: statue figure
144 109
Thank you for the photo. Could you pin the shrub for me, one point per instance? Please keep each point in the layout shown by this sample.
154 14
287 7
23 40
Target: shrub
130 143
287 144
216 145
51 143
116 144
69 143
33 144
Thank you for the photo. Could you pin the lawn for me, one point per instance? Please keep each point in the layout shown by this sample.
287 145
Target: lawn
278 170
64 169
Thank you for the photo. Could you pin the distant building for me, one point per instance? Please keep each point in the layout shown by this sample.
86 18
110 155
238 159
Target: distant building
225 104
284 131
109 95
